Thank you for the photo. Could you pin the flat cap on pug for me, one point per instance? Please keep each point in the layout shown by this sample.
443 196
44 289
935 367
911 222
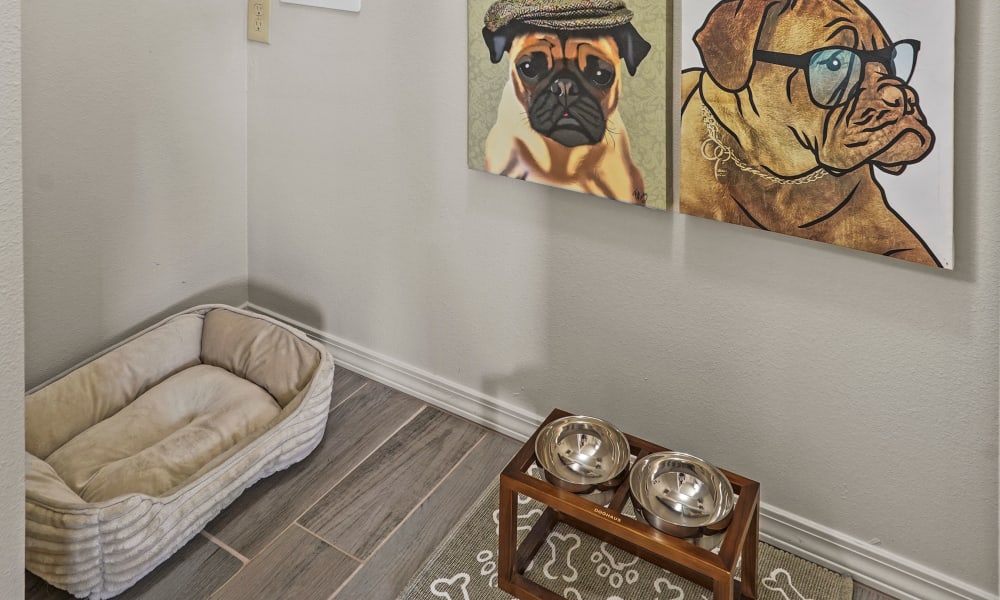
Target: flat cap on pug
571 15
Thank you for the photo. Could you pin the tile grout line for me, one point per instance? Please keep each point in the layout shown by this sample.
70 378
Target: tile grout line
412 510
295 521
312 533
428 494
357 391
333 406
238 555
215 592
362 461
225 546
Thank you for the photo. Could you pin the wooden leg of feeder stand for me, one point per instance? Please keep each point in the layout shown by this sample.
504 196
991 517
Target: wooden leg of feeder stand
724 589
749 568
507 535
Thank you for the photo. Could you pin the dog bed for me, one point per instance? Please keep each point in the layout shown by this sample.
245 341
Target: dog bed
129 455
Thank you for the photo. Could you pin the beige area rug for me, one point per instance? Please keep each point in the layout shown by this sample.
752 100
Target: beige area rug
579 567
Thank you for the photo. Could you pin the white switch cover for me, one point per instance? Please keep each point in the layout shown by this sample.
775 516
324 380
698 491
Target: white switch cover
351 5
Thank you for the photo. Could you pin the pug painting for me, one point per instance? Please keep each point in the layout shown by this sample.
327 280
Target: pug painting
796 108
559 121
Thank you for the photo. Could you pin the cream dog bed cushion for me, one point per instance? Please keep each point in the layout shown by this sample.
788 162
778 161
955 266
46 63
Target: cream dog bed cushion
129 455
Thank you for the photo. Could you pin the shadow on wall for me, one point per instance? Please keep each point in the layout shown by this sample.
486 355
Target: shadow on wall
270 298
232 293
605 306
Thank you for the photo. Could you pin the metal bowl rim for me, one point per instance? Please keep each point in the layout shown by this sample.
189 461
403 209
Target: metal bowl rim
616 436
639 469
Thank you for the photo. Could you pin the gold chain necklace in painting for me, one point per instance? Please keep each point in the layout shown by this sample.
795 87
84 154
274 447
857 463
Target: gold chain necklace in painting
714 149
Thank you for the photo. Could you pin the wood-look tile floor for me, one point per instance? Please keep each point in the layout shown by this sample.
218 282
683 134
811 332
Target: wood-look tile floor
353 521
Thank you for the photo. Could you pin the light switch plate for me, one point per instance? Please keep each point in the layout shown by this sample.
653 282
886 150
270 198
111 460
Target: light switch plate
351 5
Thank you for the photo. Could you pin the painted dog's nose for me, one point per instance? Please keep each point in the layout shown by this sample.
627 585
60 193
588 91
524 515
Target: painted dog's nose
564 89
892 91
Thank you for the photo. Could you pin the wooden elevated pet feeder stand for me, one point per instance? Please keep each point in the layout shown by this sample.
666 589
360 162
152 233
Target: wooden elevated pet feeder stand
716 572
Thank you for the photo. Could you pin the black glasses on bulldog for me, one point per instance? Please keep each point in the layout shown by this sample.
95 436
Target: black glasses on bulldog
833 75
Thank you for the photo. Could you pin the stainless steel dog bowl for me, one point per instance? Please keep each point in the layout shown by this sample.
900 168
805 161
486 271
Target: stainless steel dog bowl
583 455
679 494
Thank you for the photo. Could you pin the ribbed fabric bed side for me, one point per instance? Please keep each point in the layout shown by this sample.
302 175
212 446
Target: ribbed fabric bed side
97 550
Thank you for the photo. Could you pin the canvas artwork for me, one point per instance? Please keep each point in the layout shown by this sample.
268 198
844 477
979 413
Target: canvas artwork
830 120
573 94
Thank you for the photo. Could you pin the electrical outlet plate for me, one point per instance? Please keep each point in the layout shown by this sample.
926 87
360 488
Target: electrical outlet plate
259 20
351 5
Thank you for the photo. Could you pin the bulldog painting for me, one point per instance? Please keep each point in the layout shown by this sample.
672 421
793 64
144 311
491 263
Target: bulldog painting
559 119
797 105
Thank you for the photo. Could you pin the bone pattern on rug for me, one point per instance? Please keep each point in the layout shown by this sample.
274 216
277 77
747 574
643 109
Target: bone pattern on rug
579 567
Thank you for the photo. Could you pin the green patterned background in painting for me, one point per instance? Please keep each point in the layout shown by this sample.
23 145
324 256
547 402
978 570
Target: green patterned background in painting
644 106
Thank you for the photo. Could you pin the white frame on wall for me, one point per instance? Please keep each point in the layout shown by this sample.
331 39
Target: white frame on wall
351 5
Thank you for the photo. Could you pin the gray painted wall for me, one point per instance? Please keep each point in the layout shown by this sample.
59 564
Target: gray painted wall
134 168
11 307
861 391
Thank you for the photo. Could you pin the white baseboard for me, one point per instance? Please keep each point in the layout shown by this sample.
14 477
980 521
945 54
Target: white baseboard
437 391
867 564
